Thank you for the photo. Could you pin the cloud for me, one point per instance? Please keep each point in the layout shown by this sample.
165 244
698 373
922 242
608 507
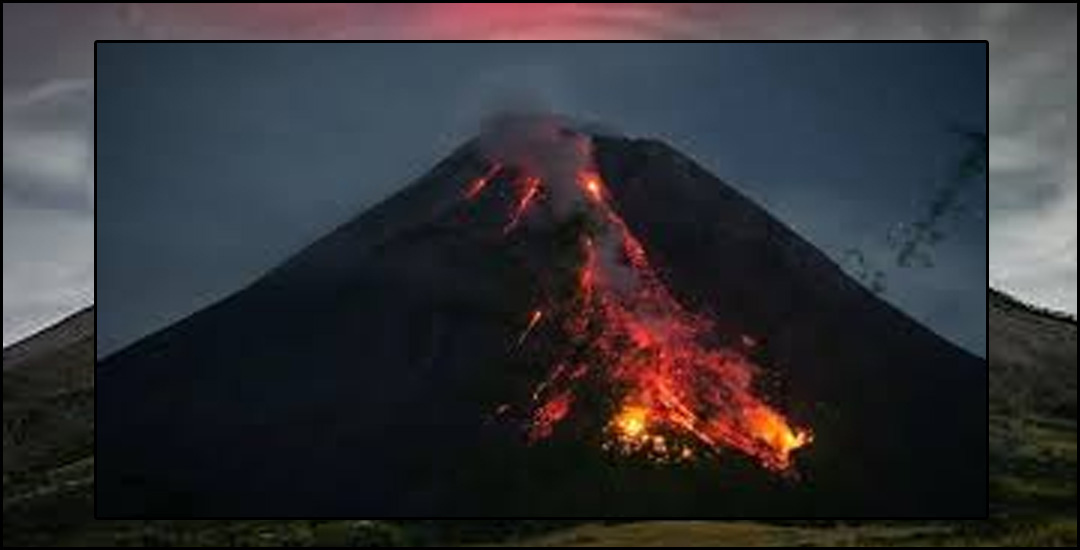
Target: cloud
50 90
48 148
1034 252
48 204
48 268
1033 155
50 170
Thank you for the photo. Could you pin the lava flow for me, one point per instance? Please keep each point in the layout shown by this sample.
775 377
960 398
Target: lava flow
674 391
533 319
477 185
531 188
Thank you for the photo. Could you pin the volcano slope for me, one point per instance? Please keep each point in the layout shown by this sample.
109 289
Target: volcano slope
50 500
398 367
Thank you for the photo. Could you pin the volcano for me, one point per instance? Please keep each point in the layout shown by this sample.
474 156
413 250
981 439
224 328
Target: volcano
549 323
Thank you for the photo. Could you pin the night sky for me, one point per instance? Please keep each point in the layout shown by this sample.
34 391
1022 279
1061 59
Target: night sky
215 162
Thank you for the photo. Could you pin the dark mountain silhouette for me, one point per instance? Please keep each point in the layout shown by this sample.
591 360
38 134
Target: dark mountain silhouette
360 376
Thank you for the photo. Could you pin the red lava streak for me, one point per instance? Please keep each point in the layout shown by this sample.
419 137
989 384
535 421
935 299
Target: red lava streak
674 390
532 187
477 185
533 319
548 414
590 182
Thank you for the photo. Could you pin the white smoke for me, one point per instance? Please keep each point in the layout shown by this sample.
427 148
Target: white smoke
554 149
545 146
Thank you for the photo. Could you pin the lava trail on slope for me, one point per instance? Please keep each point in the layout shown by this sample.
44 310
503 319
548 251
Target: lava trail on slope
673 388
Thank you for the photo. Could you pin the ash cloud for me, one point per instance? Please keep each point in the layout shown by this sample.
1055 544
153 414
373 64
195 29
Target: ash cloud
543 145
553 148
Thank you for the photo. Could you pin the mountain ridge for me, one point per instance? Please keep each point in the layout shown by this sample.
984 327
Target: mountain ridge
393 328
1031 307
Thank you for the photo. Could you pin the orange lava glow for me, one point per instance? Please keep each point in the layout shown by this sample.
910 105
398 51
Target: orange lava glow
590 182
533 319
674 383
771 427
673 390
478 184
531 188
548 414
632 421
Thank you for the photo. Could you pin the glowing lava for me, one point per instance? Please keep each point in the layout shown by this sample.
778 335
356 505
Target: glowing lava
478 184
548 414
590 182
670 386
632 421
533 319
531 188
655 350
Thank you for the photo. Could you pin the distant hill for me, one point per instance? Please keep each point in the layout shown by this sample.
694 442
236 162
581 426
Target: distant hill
49 396
1032 357
49 432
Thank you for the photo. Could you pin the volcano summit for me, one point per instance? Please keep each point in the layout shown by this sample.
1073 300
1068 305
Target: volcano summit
549 323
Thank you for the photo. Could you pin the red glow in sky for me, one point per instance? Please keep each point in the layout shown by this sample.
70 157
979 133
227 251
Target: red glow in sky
504 21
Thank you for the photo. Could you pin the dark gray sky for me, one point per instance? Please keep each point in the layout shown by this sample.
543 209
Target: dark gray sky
217 161
223 159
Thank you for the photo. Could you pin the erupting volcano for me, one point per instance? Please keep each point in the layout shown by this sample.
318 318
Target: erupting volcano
675 386
551 322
